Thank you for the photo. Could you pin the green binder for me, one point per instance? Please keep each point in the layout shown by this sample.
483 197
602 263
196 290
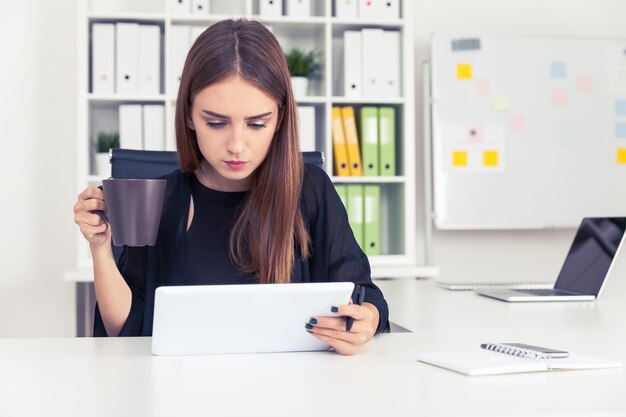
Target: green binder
387 140
355 211
371 219
369 141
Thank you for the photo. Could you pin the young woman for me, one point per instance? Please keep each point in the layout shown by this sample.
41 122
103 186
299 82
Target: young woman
243 208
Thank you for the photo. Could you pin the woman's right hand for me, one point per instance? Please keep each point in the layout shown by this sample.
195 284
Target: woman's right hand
95 230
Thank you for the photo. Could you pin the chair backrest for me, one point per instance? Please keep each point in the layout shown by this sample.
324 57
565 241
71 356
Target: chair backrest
131 163
314 158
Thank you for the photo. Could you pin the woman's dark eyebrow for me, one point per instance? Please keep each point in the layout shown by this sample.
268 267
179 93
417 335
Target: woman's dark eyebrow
221 116
216 115
259 116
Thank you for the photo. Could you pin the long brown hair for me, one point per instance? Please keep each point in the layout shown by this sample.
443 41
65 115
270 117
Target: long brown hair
270 226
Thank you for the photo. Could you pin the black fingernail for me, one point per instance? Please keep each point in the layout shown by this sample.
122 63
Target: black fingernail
308 326
334 309
313 320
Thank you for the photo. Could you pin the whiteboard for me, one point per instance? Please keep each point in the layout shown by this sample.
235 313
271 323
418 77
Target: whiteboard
527 133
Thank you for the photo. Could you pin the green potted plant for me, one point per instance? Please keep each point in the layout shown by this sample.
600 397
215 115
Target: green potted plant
303 66
104 142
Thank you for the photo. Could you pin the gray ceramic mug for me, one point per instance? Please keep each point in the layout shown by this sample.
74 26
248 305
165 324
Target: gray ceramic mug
134 208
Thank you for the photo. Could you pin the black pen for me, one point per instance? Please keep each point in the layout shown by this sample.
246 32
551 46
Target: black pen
359 301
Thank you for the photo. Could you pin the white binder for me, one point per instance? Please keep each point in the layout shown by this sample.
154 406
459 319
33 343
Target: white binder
126 48
271 8
149 59
180 7
306 128
103 58
390 55
200 7
352 64
369 9
154 127
179 49
170 140
373 67
346 9
388 9
130 126
195 32
299 8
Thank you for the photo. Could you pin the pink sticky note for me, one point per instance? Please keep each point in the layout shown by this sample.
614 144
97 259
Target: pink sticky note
517 123
585 85
475 135
482 86
559 98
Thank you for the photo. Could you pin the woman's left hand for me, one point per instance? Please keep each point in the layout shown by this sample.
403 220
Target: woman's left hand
332 330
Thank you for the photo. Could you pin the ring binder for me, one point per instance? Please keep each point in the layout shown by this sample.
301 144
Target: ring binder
529 354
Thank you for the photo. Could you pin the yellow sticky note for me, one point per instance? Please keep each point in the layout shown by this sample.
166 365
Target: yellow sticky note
500 103
459 158
490 158
464 71
621 156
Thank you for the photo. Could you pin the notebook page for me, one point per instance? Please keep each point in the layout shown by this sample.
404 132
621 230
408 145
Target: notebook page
482 362
575 361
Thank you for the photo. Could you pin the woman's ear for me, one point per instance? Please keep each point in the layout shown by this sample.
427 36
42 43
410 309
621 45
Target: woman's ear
190 124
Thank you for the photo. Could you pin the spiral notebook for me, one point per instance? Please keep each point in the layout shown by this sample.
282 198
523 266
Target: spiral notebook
503 359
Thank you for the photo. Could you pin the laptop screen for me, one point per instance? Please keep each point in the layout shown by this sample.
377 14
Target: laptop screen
595 245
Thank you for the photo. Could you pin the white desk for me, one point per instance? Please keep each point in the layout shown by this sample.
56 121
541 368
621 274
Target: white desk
105 377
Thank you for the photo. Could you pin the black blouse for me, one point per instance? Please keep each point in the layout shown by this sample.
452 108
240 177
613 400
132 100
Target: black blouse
200 255
207 260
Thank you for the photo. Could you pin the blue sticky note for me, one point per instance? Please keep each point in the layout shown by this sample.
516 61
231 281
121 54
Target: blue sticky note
557 70
620 130
620 107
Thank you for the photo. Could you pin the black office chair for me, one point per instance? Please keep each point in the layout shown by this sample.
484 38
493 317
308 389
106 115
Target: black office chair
131 163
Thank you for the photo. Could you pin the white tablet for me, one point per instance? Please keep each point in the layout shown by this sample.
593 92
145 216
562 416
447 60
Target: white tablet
206 319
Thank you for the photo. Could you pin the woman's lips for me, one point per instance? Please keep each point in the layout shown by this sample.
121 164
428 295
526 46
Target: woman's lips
236 165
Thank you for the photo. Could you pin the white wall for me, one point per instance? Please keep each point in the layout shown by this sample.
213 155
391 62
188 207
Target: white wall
534 255
38 125
38 128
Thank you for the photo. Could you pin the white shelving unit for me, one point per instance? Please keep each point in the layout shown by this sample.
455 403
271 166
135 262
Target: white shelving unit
323 32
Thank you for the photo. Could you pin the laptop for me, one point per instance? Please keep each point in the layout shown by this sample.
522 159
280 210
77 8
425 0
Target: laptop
249 318
587 265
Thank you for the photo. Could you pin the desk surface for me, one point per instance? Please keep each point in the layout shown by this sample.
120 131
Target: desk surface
99 377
